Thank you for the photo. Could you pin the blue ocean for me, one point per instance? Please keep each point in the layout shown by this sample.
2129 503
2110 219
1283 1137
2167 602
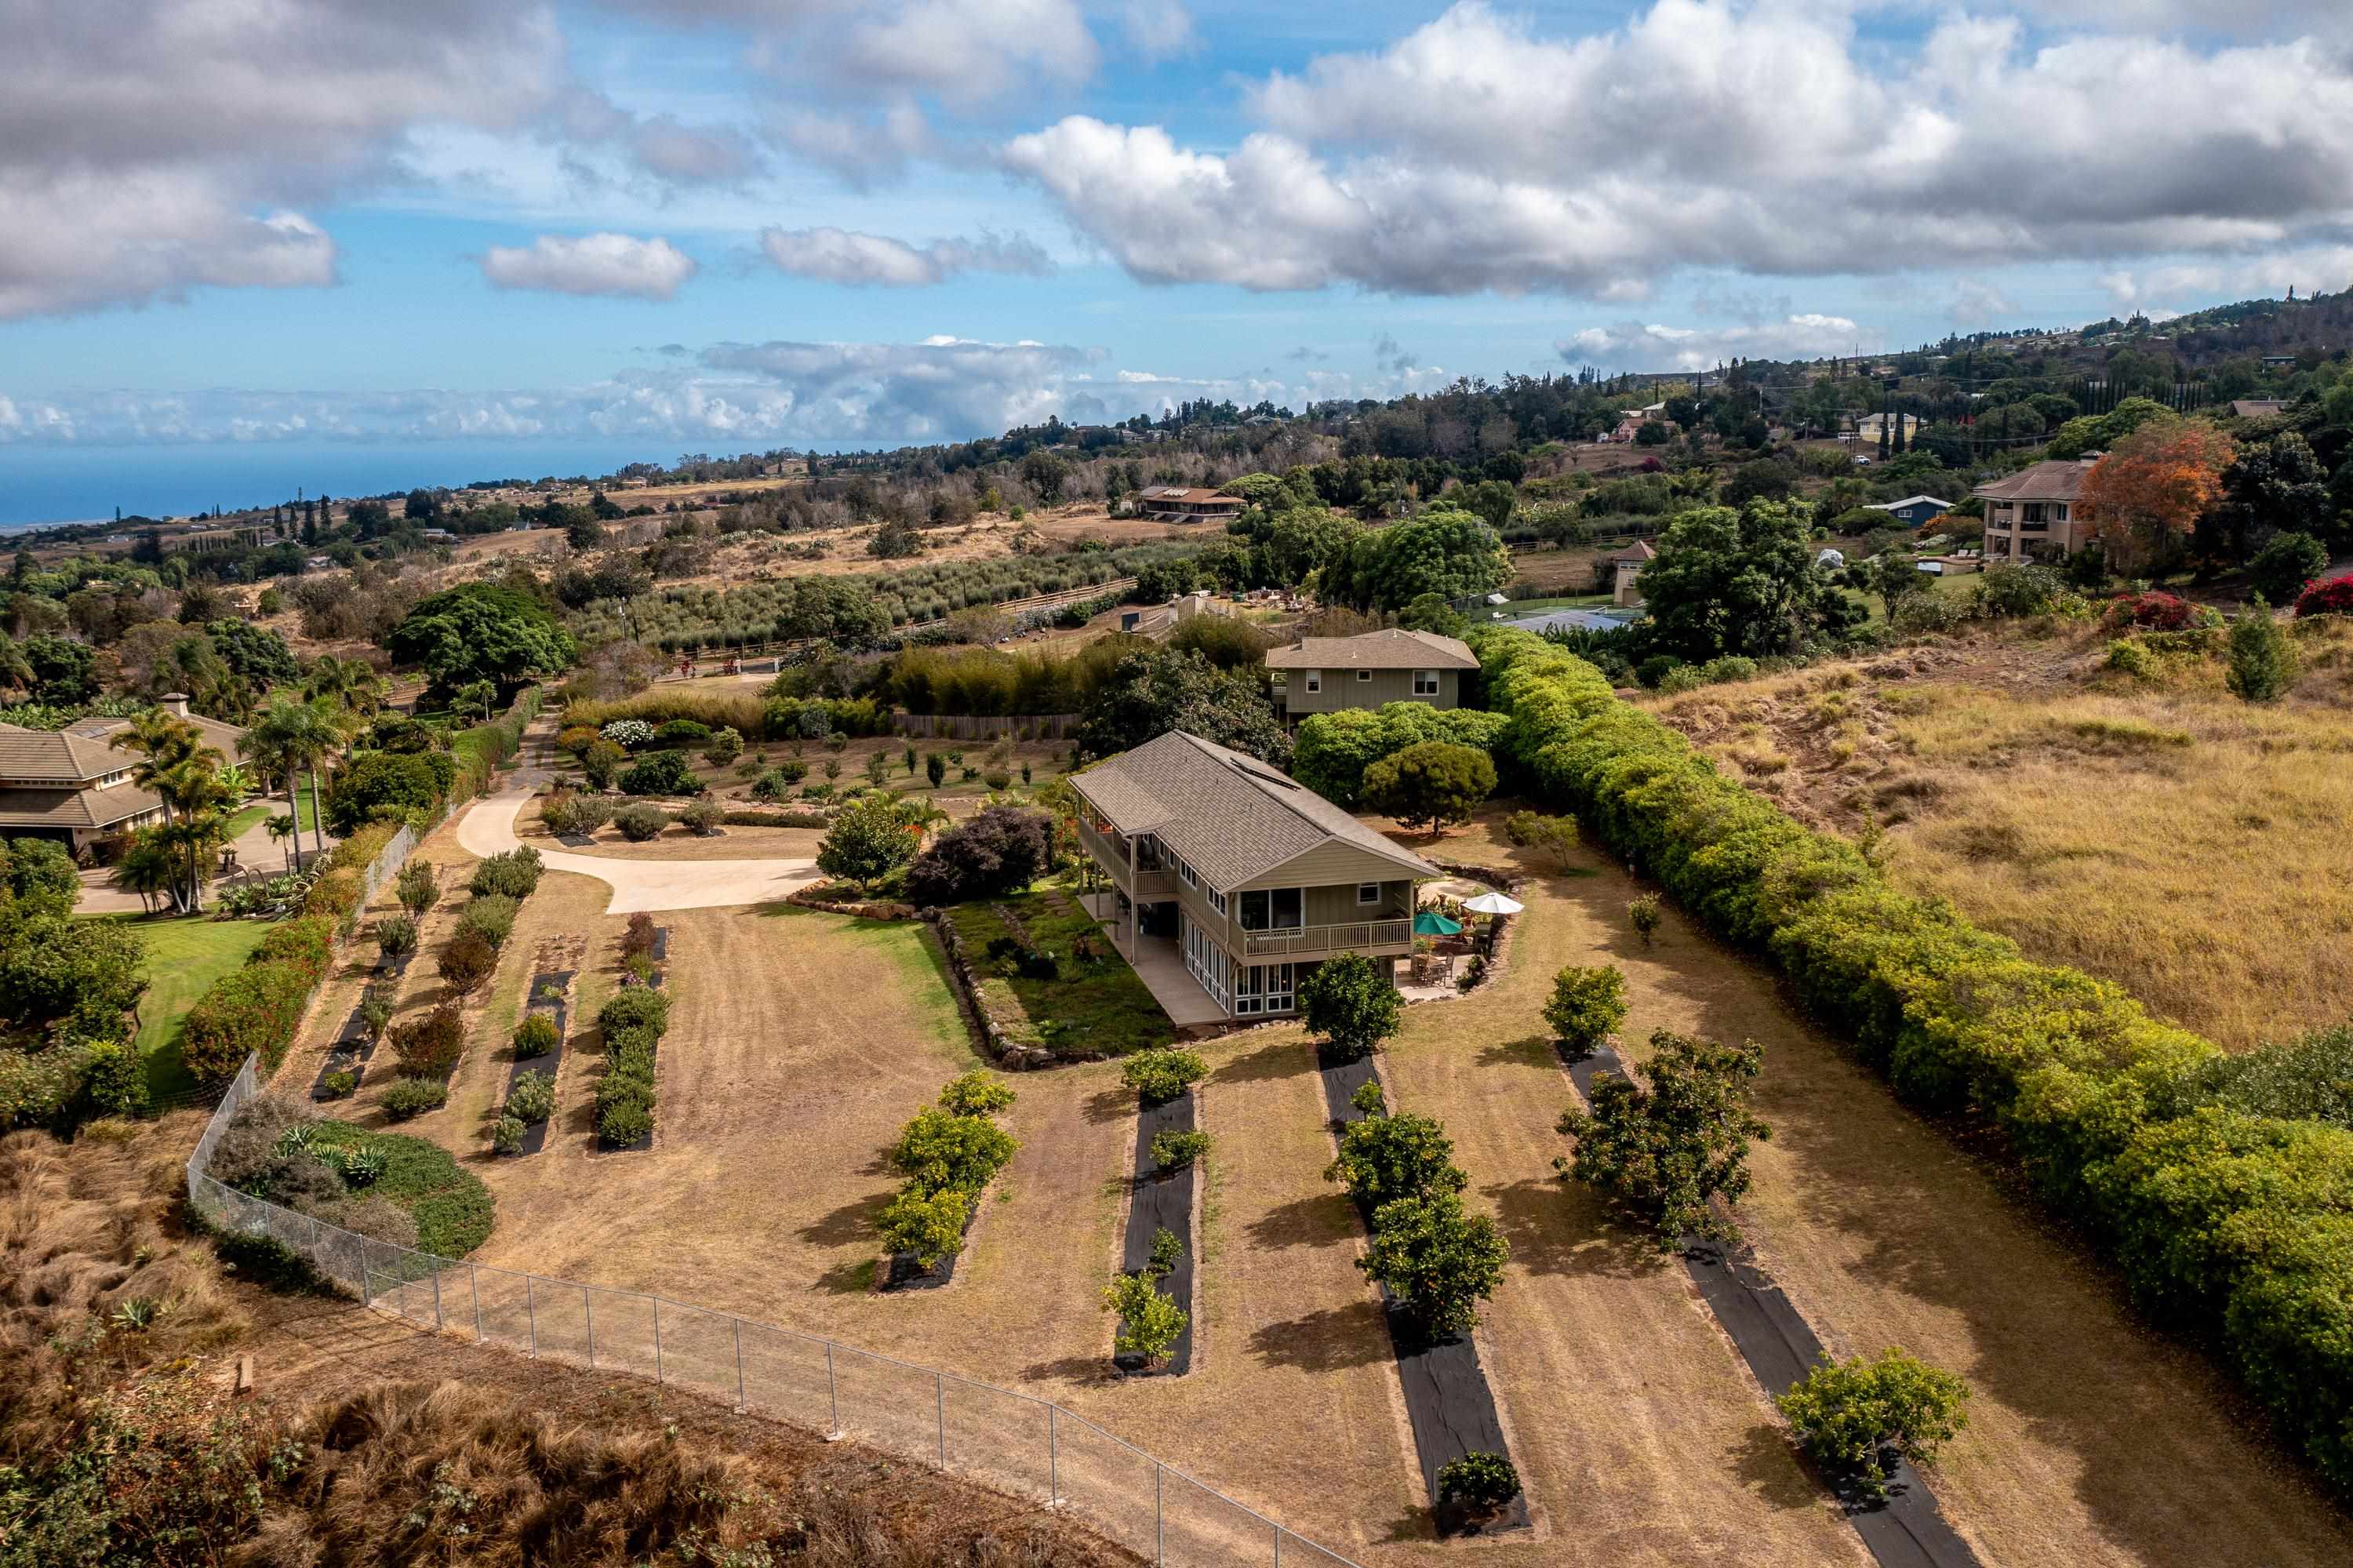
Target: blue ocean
49 484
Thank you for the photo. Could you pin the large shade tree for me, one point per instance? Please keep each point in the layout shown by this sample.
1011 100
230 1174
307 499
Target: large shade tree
1742 582
481 632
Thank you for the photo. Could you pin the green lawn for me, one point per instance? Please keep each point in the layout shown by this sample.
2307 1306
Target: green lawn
1094 1006
306 806
185 953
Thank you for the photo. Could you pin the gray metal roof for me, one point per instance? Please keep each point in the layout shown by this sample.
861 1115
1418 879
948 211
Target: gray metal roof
1231 817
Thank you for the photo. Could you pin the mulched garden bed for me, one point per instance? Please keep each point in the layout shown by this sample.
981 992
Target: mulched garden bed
535 1134
1904 1529
1156 1204
1447 1397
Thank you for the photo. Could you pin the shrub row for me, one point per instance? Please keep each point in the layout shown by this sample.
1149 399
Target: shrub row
2222 1220
257 1007
1334 749
633 1024
947 1154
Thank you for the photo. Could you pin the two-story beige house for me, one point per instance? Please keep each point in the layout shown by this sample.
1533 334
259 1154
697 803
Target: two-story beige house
1211 859
1325 674
2031 515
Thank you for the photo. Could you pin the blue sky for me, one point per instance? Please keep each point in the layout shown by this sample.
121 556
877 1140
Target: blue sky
646 227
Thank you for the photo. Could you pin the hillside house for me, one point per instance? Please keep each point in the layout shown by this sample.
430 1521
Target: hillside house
2031 515
1913 510
1225 881
1626 572
1178 504
1325 674
73 787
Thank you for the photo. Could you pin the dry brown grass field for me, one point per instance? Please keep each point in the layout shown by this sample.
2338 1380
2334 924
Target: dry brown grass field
2159 833
801 1041
390 1444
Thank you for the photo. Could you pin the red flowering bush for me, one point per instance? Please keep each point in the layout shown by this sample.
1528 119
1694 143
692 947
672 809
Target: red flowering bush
2148 612
2333 595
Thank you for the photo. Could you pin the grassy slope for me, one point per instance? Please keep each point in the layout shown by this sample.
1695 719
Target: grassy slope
1099 1007
2161 834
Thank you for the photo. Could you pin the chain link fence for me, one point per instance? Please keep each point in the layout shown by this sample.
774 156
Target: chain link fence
1014 1442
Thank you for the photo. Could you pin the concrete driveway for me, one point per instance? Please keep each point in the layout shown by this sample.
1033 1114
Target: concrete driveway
649 884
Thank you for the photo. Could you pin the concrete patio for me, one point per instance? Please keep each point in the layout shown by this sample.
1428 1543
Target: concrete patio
1160 966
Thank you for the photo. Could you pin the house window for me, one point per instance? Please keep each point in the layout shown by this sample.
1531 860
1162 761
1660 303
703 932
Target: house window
2058 511
1368 893
1273 909
1216 900
1262 988
1425 683
2035 512
1364 674
1311 680
1185 873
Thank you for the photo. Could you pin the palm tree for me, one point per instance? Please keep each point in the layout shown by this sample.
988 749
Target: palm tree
348 682
290 737
194 790
284 828
148 867
168 746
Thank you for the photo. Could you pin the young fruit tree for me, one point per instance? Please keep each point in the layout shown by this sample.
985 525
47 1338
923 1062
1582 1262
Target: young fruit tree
1587 1006
1439 1261
1384 1158
1149 1322
1860 1418
1480 1482
1350 1003
1666 1150
1160 1075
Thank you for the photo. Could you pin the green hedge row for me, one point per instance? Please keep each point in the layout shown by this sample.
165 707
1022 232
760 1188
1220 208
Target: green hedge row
257 1007
633 1024
481 748
2222 1221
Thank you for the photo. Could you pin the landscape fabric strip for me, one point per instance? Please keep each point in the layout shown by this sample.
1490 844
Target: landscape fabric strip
534 1133
352 1046
1906 1529
1448 1399
1163 1202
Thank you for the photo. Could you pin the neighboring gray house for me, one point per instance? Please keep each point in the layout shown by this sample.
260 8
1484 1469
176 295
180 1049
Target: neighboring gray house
1325 674
1250 878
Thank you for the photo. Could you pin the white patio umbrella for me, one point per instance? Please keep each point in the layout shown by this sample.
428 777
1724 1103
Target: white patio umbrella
1493 904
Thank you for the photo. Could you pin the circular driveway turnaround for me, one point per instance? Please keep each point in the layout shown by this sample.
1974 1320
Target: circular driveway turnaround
647 884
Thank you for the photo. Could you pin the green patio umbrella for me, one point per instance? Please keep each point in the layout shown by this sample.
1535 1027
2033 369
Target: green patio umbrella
1430 922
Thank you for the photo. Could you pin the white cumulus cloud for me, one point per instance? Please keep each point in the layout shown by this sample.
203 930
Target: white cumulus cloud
614 264
1477 152
842 256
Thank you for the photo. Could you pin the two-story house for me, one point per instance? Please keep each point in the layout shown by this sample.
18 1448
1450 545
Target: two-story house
2031 515
1325 674
73 786
1211 859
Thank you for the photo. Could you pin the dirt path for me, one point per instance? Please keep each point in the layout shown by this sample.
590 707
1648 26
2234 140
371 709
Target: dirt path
489 828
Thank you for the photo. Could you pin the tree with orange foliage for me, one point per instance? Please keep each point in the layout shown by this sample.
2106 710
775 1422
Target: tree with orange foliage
2146 495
